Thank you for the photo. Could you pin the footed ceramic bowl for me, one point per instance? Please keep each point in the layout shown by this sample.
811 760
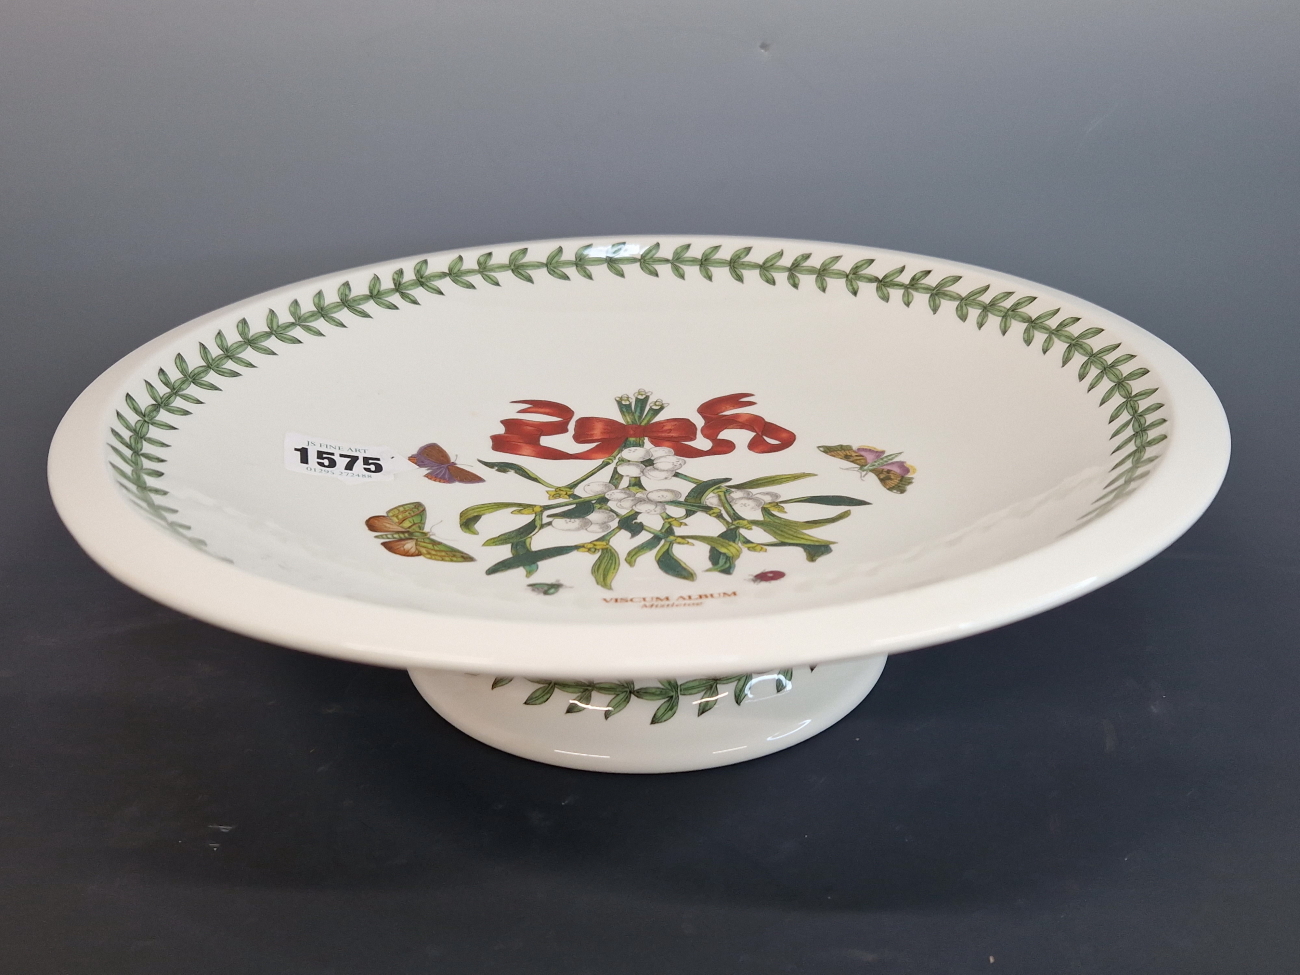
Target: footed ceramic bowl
640 504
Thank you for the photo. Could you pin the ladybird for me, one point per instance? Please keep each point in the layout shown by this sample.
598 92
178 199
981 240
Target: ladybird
770 575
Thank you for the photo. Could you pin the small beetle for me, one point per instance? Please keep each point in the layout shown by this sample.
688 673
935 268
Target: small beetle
770 575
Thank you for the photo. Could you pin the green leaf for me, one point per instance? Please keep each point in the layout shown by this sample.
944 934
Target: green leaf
469 518
500 682
696 494
721 562
742 686
666 710
617 703
770 480
717 543
541 695
671 565
640 550
631 524
605 568
814 523
811 552
505 467
527 530
576 705
524 547
530 558
783 531
838 500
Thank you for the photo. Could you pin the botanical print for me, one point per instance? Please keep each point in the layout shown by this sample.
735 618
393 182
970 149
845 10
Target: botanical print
894 475
152 411
401 531
618 694
640 488
438 466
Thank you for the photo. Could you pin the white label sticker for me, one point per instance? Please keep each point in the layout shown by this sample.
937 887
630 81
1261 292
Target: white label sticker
337 458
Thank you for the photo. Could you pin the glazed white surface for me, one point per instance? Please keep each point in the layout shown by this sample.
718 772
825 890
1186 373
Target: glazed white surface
1010 451
769 720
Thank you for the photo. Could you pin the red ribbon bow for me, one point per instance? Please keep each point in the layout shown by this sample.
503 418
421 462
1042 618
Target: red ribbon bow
525 436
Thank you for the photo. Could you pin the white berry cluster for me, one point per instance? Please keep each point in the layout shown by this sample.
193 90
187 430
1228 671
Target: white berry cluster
749 504
647 463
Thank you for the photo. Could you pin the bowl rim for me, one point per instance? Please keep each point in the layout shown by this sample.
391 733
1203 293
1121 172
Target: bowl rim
102 520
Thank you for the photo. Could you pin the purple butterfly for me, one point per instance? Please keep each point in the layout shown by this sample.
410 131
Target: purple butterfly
438 466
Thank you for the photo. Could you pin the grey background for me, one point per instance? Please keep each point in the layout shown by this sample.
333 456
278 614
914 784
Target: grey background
1111 787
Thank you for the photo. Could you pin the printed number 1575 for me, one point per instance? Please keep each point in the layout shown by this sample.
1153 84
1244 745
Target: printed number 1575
330 460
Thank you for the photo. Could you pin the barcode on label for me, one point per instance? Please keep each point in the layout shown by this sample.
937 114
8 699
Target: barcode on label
338 458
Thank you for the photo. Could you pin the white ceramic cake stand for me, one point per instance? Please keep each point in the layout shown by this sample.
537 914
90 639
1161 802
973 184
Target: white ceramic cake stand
638 504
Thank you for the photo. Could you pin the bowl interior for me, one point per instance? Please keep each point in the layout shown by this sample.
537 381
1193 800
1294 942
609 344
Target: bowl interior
1000 448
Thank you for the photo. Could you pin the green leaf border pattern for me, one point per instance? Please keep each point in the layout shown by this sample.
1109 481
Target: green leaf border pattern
152 408
669 693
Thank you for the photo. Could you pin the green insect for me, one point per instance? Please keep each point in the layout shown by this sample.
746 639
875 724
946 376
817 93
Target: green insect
546 588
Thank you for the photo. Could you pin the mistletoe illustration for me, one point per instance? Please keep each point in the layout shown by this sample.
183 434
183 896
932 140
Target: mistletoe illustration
639 488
